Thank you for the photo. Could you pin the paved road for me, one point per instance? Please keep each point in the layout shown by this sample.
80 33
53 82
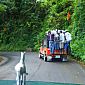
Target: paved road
38 70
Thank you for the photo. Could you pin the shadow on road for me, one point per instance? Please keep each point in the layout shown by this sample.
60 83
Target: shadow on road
60 61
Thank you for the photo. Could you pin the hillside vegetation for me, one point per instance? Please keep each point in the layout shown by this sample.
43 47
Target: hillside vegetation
23 23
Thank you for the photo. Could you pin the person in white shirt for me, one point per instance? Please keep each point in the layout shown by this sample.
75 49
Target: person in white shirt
56 40
63 31
59 31
62 40
68 39
68 36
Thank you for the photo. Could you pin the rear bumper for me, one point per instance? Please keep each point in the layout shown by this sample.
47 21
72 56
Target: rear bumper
53 55
50 56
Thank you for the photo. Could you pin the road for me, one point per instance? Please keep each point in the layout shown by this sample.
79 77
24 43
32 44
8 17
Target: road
38 70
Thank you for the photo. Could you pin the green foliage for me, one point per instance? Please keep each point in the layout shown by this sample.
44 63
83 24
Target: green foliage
23 23
78 32
3 8
20 23
56 19
56 16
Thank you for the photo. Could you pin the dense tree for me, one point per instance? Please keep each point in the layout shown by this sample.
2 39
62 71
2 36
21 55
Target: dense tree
78 31
57 19
23 23
20 23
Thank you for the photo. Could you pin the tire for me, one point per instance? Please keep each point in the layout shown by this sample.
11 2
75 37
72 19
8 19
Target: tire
64 59
61 58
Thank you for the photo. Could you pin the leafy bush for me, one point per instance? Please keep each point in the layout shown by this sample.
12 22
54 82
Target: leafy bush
23 24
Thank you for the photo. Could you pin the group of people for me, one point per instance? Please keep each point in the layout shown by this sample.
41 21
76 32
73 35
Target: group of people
58 40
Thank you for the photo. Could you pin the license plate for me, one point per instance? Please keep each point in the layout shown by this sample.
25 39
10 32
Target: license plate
57 56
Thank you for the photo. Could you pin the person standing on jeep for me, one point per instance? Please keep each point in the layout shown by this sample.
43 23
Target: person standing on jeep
50 38
68 39
56 40
62 40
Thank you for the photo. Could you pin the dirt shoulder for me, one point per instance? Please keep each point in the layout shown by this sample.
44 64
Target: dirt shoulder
82 63
1 59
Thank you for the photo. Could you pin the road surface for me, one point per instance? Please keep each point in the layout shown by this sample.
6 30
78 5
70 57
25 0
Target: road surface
38 70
